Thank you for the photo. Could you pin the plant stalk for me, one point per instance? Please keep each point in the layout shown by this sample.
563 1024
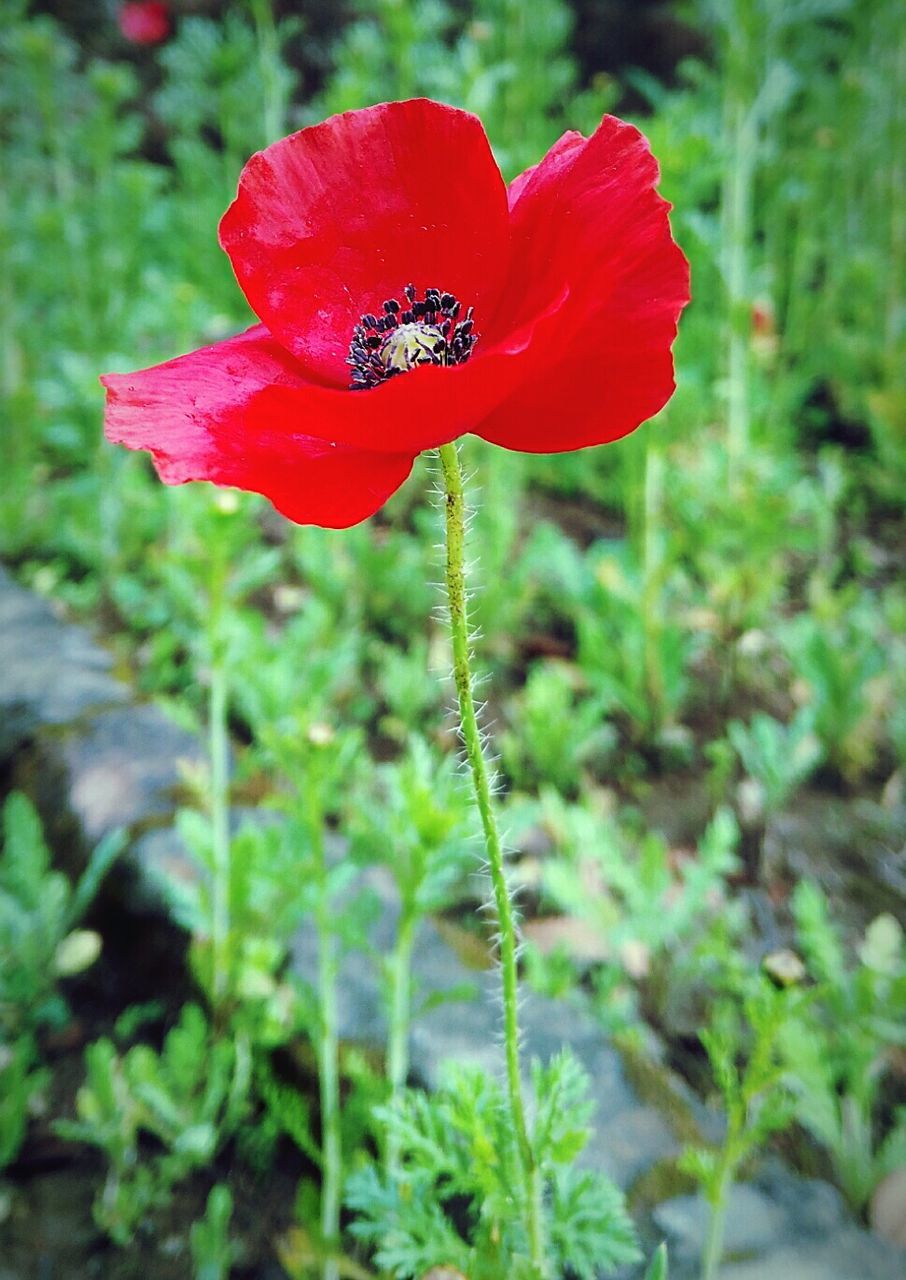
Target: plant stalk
713 1251
328 1042
653 576
714 1242
400 1004
454 508
220 824
400 1016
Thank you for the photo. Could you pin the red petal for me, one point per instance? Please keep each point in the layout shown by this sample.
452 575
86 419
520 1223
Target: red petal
331 221
572 406
589 215
572 138
232 414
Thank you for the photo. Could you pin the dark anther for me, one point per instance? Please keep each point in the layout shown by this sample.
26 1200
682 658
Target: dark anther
399 340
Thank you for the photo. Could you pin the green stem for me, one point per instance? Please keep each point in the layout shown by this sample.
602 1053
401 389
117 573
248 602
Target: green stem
714 1243
738 194
400 1015
471 737
328 1043
400 1003
220 827
652 569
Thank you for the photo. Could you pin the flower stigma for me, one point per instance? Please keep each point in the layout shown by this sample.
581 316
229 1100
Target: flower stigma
418 331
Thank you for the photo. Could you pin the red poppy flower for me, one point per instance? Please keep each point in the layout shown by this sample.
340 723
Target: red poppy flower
144 22
406 297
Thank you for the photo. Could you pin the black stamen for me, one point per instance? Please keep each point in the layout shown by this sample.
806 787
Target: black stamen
378 350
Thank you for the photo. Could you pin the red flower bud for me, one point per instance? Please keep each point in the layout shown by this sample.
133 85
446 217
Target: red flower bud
144 22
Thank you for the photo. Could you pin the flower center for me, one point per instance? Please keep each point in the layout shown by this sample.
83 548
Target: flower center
419 331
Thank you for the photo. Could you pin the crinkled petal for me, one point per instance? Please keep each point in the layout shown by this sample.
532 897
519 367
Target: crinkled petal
330 222
589 214
567 142
235 414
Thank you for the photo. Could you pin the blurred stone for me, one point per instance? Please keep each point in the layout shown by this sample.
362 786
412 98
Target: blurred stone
119 768
51 672
855 850
849 1254
888 1208
753 1222
159 857
813 1206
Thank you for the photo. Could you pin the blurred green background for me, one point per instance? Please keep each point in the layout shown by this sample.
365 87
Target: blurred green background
695 636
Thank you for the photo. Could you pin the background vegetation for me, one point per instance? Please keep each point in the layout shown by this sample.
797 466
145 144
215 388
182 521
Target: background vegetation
696 638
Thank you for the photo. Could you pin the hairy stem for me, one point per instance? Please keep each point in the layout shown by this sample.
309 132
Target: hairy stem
454 507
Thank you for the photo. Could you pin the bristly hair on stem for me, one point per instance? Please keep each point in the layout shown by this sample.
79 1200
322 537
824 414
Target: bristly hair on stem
533 1214
454 509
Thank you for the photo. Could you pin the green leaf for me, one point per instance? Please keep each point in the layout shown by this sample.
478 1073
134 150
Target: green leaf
657 1267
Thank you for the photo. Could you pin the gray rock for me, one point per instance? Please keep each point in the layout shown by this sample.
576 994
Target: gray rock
158 857
626 1143
467 1031
51 672
849 1254
812 1206
856 851
121 767
754 1222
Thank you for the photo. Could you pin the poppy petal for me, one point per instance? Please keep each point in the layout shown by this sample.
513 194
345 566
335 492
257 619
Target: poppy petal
589 213
333 220
573 406
572 138
229 414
